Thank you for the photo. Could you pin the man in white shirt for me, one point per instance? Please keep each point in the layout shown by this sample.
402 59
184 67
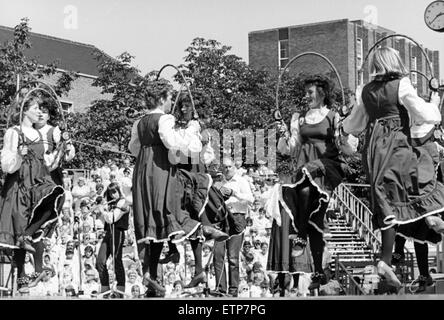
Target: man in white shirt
237 193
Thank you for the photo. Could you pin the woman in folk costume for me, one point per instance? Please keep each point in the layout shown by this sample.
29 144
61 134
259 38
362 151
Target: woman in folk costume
51 136
29 197
157 192
198 192
299 208
399 157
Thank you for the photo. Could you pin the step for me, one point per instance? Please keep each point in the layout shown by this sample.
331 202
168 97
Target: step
354 263
344 233
347 244
350 251
363 257
345 239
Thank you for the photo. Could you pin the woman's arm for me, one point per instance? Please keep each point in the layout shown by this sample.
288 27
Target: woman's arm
186 141
420 111
207 154
10 158
134 144
114 215
358 119
290 144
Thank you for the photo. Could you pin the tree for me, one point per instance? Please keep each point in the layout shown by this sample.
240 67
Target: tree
239 96
13 63
104 130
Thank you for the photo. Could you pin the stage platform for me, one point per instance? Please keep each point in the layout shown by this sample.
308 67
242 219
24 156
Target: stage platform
343 298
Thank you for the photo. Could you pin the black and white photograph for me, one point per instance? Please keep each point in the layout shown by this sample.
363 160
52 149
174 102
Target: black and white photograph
221 159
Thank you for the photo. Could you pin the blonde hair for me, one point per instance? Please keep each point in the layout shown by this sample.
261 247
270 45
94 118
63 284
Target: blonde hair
386 60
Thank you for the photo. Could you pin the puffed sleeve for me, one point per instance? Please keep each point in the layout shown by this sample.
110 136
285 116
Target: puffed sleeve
290 145
187 140
420 111
358 119
207 154
10 159
134 144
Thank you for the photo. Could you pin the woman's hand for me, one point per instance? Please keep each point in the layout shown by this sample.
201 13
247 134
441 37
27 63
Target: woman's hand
194 124
282 128
435 99
23 150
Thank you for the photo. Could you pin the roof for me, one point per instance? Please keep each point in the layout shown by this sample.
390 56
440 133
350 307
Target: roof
300 25
69 55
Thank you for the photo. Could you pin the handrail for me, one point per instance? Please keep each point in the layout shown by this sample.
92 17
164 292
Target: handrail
351 287
360 216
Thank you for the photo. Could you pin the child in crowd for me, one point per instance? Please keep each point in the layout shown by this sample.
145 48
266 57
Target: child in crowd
177 290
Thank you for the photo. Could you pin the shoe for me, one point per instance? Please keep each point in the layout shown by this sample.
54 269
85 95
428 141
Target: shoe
171 256
197 279
387 273
435 223
317 280
210 232
24 243
423 283
153 285
23 290
233 294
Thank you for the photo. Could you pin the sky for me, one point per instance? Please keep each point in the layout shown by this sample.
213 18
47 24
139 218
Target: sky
157 32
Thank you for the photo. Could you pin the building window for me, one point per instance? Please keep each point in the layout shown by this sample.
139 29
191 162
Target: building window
283 47
359 58
359 53
414 74
66 107
283 53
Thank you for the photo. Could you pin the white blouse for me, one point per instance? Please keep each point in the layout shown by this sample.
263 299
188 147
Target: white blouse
185 140
423 115
290 146
56 136
11 160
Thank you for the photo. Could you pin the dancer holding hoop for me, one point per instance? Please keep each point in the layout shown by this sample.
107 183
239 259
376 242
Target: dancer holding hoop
318 168
158 215
404 187
29 196
52 140
198 192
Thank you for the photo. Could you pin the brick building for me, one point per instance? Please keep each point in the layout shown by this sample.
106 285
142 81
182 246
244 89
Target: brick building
345 43
69 56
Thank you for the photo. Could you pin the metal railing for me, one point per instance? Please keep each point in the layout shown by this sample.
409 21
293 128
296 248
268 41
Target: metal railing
348 283
359 216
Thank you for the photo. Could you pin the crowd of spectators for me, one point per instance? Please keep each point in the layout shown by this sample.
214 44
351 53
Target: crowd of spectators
70 255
